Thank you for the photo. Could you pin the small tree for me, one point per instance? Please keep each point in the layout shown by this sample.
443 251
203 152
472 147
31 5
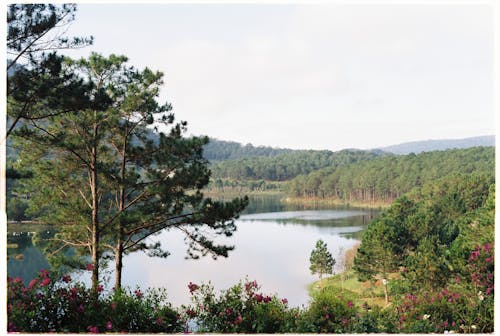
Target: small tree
321 260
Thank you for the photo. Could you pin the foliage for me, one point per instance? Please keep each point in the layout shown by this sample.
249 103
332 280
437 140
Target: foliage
439 238
464 305
52 303
417 231
321 260
387 178
287 165
113 179
218 150
239 309
329 312
34 28
37 85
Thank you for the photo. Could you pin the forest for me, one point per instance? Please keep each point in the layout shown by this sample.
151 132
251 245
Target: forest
387 178
287 165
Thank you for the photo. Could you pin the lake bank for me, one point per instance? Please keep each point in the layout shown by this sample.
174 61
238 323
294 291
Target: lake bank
335 202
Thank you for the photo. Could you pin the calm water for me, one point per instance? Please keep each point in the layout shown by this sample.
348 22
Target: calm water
271 247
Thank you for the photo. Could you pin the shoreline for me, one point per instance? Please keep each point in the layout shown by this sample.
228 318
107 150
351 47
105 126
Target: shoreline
336 202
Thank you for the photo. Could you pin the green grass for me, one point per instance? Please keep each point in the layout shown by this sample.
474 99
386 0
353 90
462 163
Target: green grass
359 292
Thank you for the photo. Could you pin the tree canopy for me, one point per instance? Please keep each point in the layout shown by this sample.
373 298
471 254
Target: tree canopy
389 177
428 235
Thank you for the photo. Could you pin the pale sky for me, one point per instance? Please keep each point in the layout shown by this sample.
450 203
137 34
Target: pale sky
322 76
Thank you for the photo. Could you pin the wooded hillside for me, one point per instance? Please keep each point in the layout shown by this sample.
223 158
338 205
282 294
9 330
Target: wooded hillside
387 178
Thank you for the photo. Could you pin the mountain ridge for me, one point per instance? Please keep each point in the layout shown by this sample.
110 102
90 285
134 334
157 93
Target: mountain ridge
417 147
223 150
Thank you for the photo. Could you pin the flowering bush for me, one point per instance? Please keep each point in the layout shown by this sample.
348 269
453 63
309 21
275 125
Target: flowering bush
329 312
240 309
465 305
54 304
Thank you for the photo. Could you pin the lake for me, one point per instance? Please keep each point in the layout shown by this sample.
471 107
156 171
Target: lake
272 245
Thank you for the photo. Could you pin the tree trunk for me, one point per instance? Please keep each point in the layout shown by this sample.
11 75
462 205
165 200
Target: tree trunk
118 263
121 208
386 292
95 214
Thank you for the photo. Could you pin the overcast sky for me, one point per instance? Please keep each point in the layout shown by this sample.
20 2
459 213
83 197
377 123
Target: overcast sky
323 76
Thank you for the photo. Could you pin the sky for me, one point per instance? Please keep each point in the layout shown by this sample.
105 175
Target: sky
310 76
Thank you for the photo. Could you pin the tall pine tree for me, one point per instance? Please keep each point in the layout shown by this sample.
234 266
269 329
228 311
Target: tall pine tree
119 171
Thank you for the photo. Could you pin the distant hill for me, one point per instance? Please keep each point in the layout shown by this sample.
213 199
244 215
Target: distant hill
433 145
219 150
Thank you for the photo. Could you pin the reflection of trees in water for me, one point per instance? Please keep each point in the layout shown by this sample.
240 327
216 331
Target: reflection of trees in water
21 239
268 203
33 259
274 203
29 266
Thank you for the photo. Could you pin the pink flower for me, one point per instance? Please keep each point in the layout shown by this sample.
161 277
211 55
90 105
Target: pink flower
12 327
93 329
32 283
45 282
192 287
109 325
229 311
15 280
80 308
44 273
238 320
267 299
66 278
259 297
138 293
100 288
349 304
90 267
250 285
113 305
190 313
159 321
327 316
284 301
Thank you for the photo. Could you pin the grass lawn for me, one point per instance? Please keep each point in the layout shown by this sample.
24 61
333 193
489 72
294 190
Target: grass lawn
368 292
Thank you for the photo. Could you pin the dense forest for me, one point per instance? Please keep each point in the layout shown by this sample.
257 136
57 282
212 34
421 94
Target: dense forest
218 150
387 178
288 165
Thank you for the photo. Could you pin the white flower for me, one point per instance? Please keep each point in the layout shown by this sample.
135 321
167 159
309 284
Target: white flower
480 296
473 327
426 316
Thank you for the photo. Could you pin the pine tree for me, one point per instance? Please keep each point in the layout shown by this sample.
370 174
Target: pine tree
111 179
321 260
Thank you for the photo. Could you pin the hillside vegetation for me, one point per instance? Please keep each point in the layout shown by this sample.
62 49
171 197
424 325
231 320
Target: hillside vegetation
288 165
387 178
219 150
